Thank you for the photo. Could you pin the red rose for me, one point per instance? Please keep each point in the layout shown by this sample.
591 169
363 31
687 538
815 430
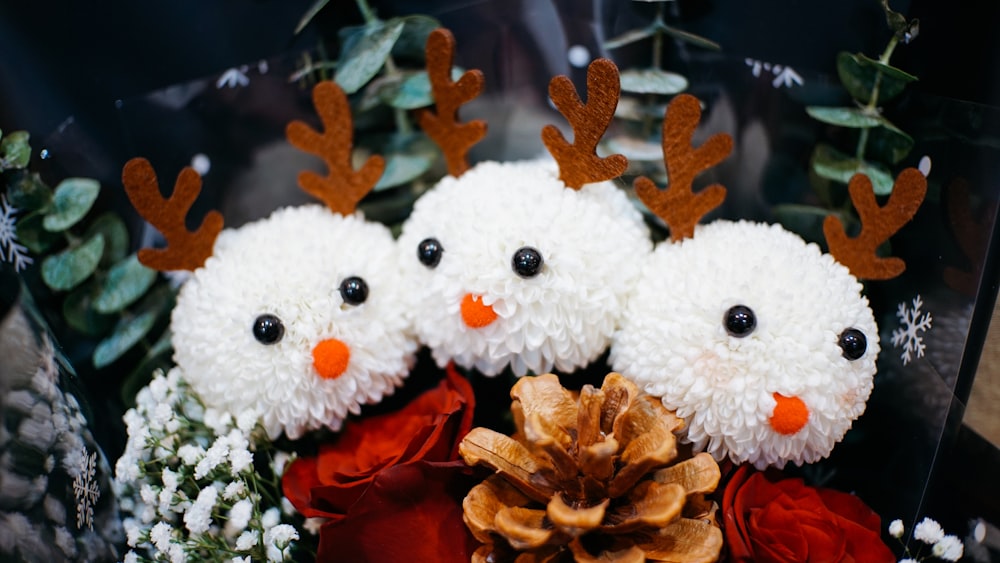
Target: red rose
768 520
392 484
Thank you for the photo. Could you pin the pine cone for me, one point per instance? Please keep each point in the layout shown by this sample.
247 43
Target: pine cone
592 476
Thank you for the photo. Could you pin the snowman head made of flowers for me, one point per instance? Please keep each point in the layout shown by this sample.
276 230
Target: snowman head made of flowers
522 265
295 317
765 345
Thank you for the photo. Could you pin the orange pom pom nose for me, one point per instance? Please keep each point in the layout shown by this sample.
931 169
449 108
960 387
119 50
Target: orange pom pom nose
790 415
475 313
330 358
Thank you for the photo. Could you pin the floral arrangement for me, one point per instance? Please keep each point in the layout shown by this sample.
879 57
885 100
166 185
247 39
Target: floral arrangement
339 389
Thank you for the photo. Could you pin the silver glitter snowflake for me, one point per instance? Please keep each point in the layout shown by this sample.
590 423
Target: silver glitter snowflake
10 250
912 323
85 490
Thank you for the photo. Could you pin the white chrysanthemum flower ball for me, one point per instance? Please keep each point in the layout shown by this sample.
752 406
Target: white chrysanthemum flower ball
510 268
298 317
762 343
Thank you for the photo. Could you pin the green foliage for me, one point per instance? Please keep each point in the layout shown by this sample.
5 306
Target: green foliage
380 65
89 287
870 83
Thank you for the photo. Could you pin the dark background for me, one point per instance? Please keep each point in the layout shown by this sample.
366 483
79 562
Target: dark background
71 65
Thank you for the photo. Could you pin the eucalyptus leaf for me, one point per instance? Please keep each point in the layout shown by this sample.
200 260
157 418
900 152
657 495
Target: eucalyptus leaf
401 169
72 200
28 192
127 333
127 281
411 90
412 42
310 14
116 239
844 116
636 150
157 357
887 69
367 54
888 143
652 81
629 37
634 109
858 73
33 235
15 151
831 164
80 315
688 37
69 268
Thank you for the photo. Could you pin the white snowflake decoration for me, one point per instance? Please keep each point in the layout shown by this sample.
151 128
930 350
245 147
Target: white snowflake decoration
10 250
85 490
908 334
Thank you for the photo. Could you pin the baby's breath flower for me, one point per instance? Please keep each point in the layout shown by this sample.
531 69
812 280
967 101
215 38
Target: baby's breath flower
279 462
148 494
160 536
131 557
241 559
198 518
190 454
133 533
247 540
176 553
246 421
908 560
312 525
218 421
239 517
896 528
215 455
928 531
949 548
270 518
234 490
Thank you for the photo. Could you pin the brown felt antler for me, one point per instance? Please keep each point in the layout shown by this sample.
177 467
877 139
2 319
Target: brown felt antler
878 223
578 162
972 234
186 250
454 138
678 205
343 187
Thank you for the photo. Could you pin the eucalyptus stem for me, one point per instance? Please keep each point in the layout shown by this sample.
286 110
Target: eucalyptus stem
366 11
872 104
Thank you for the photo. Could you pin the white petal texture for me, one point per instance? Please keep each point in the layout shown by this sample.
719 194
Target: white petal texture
592 243
291 265
674 343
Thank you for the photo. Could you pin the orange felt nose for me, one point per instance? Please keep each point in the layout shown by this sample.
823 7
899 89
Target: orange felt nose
475 313
790 415
330 358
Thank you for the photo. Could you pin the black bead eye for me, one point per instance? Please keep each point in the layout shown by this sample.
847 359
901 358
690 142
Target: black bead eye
853 343
354 290
429 252
268 329
740 321
527 262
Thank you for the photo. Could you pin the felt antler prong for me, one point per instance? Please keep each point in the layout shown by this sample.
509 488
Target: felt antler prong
343 187
678 206
878 223
579 163
186 250
443 127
